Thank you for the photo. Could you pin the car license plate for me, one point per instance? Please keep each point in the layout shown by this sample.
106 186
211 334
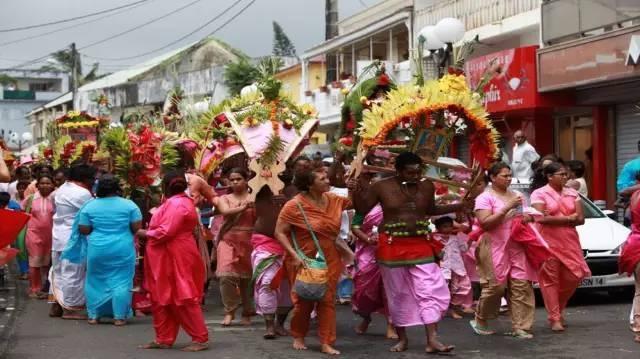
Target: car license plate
593 282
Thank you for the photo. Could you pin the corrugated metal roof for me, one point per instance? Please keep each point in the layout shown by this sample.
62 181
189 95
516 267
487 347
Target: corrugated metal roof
121 77
60 100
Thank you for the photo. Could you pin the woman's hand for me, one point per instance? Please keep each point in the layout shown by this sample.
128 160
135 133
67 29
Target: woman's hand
513 203
298 262
142 233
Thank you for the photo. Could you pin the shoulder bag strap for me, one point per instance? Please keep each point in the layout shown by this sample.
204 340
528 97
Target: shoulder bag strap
313 235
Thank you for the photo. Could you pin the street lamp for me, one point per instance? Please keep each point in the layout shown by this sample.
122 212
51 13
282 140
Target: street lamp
439 40
25 138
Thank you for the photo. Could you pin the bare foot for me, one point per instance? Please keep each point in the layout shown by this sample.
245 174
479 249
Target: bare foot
363 326
637 338
468 310
154 345
435 347
557 326
93 321
298 344
246 321
228 318
196 347
391 332
119 322
328 349
454 314
280 331
400 347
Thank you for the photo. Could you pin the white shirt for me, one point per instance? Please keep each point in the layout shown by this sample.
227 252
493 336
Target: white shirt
67 201
11 188
345 226
523 156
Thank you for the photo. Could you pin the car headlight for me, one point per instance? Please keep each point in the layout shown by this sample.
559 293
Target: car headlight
618 248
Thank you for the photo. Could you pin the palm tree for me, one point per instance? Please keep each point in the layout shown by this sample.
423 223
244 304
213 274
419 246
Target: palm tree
62 61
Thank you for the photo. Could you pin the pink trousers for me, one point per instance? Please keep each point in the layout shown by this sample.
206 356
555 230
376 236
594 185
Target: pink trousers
461 292
266 299
416 295
167 320
557 285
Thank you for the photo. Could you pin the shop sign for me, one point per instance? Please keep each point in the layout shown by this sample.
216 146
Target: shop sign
513 84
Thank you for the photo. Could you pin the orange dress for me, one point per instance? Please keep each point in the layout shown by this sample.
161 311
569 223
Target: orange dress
325 222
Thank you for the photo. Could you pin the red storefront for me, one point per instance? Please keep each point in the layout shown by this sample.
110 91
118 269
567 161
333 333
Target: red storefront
512 97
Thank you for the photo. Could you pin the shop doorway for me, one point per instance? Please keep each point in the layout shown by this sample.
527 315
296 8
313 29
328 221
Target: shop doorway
574 141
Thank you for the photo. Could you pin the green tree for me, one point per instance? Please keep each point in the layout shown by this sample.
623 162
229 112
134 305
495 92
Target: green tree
282 46
240 74
63 62
6 80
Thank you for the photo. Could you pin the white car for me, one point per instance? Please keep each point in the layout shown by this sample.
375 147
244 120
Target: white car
601 239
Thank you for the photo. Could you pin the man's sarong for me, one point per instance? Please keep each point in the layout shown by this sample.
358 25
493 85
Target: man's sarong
416 294
269 290
67 283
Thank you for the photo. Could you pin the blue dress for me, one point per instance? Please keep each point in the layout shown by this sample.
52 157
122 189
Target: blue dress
110 255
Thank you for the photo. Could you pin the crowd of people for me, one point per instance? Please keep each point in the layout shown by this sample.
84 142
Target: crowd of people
410 257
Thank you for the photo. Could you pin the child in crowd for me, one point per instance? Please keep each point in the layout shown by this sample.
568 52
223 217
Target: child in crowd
21 187
453 269
576 177
7 203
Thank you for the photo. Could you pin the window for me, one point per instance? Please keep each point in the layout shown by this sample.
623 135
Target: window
41 87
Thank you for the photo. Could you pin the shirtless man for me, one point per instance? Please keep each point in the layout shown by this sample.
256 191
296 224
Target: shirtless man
273 305
414 284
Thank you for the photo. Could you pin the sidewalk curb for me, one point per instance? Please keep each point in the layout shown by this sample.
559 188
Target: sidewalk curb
16 301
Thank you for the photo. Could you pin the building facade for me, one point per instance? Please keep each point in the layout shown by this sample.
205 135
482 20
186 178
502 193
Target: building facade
592 51
20 92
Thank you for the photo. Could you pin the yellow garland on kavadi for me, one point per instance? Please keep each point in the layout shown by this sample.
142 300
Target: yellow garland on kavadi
419 106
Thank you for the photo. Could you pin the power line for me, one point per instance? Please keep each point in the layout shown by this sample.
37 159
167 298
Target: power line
72 18
42 34
189 34
140 26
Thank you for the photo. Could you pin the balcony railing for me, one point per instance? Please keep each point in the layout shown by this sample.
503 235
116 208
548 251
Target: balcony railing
474 13
328 100
570 19
18 95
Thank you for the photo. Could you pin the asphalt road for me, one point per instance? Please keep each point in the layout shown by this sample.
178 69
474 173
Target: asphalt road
598 328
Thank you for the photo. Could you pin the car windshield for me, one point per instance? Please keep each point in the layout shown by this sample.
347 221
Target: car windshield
589 208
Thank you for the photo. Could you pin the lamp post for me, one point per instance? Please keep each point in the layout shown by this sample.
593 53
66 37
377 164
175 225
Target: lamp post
439 40
25 138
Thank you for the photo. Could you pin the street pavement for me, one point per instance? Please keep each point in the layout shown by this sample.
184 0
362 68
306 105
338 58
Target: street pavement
598 328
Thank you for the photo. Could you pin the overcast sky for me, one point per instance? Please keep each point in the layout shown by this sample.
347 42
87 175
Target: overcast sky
303 21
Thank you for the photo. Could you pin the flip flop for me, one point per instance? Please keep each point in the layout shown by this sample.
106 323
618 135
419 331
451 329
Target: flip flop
480 330
520 334
447 351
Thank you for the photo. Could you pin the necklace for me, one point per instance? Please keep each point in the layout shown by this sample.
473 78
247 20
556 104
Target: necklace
410 199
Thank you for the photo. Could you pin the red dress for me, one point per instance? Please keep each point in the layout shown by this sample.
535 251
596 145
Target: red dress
630 256
174 272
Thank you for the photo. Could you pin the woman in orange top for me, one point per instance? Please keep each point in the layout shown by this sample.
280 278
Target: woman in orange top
323 211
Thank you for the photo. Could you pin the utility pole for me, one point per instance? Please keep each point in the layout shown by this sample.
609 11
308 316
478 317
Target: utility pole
74 75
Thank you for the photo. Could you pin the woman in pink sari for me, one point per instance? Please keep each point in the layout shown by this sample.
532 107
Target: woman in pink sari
38 236
561 274
234 248
368 296
502 263
629 261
